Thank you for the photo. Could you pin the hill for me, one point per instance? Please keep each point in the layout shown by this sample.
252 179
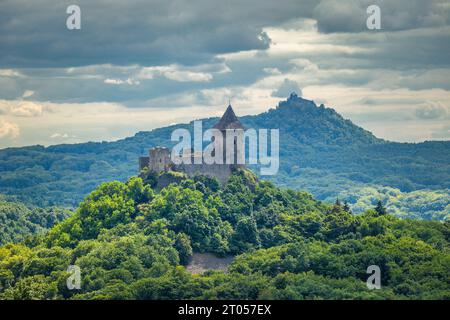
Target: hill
133 242
18 222
320 152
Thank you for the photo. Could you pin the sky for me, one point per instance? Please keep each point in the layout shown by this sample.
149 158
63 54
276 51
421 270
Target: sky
136 65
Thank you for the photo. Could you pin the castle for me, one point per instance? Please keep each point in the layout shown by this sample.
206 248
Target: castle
158 159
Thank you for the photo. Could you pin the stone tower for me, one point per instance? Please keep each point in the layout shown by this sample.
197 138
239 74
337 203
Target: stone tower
231 127
158 160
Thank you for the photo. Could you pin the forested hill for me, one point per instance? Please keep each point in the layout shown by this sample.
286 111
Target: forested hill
320 151
19 223
131 241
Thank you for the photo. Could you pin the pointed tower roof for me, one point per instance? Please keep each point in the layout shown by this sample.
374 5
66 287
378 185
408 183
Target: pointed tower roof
229 120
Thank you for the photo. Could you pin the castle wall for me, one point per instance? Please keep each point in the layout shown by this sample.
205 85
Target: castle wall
159 157
219 171
166 178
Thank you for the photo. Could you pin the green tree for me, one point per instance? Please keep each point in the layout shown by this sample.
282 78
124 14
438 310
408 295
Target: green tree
380 209
246 235
346 207
183 246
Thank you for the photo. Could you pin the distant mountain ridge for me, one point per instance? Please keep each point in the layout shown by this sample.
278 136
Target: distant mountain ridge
320 151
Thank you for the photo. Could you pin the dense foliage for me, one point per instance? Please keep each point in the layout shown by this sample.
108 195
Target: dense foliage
319 151
17 221
131 242
420 204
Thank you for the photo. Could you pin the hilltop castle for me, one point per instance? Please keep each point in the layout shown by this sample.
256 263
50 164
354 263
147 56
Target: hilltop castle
158 159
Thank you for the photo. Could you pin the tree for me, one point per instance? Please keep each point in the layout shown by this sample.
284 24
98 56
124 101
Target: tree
340 223
183 246
380 209
36 287
246 235
138 192
346 207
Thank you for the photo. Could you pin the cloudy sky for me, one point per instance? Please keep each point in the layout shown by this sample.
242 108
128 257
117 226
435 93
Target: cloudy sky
138 64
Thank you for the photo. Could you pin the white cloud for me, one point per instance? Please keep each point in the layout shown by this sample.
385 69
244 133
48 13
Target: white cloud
390 113
305 64
57 135
27 93
128 81
272 71
9 73
175 73
286 88
21 108
9 129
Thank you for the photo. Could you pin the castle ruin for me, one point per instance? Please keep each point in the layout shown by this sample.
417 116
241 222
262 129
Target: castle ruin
158 159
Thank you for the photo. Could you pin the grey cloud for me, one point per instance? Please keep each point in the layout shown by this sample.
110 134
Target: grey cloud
372 101
286 88
401 50
191 35
161 32
340 16
351 15
149 33
433 111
